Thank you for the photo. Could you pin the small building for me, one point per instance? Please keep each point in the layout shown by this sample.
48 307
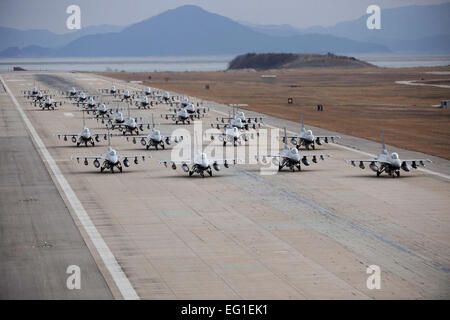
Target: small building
445 104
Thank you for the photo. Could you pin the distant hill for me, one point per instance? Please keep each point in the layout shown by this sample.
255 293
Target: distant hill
265 61
190 30
11 37
411 29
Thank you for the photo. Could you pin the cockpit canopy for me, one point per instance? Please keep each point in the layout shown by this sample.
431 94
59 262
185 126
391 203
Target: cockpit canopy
394 155
309 132
156 132
294 151
113 152
203 156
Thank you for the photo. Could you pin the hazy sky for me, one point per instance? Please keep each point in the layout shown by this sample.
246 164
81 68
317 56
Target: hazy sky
51 14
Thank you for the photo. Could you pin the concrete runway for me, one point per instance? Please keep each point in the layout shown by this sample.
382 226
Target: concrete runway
236 235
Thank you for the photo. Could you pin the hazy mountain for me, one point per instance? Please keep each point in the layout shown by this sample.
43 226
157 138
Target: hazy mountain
11 37
279 30
422 29
190 30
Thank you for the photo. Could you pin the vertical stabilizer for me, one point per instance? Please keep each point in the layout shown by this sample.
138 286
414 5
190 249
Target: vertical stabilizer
109 140
84 120
383 146
285 139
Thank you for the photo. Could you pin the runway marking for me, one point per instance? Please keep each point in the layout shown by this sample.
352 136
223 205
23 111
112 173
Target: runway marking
119 277
442 175
68 114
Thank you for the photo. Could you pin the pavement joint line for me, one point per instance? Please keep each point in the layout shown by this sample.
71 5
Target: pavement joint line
123 284
442 175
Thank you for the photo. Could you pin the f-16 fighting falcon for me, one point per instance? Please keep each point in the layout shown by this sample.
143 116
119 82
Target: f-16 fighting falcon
231 135
155 138
143 102
85 136
80 98
49 103
37 98
289 157
103 111
179 116
130 125
71 94
391 164
308 139
200 164
190 108
111 159
127 96
246 121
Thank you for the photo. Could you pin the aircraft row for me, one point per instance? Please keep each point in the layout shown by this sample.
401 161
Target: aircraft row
235 130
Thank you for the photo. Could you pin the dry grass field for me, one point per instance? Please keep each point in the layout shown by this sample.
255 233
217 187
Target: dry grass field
357 102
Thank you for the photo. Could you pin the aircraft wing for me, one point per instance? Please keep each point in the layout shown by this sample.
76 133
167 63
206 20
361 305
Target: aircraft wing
416 160
254 119
102 156
326 138
352 161
135 156
59 135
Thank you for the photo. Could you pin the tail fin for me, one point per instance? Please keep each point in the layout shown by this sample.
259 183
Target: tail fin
383 146
303 124
109 139
285 139
84 120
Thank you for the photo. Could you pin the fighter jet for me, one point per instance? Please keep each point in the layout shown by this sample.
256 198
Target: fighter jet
143 102
191 109
163 97
200 164
179 116
81 98
49 103
34 92
290 157
85 136
307 139
391 164
231 135
111 159
117 119
235 123
130 125
103 111
113 91
246 121
148 91
155 138
127 97
37 98
71 94
90 104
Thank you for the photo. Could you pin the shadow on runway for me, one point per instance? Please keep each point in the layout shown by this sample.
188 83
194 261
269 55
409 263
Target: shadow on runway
374 176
